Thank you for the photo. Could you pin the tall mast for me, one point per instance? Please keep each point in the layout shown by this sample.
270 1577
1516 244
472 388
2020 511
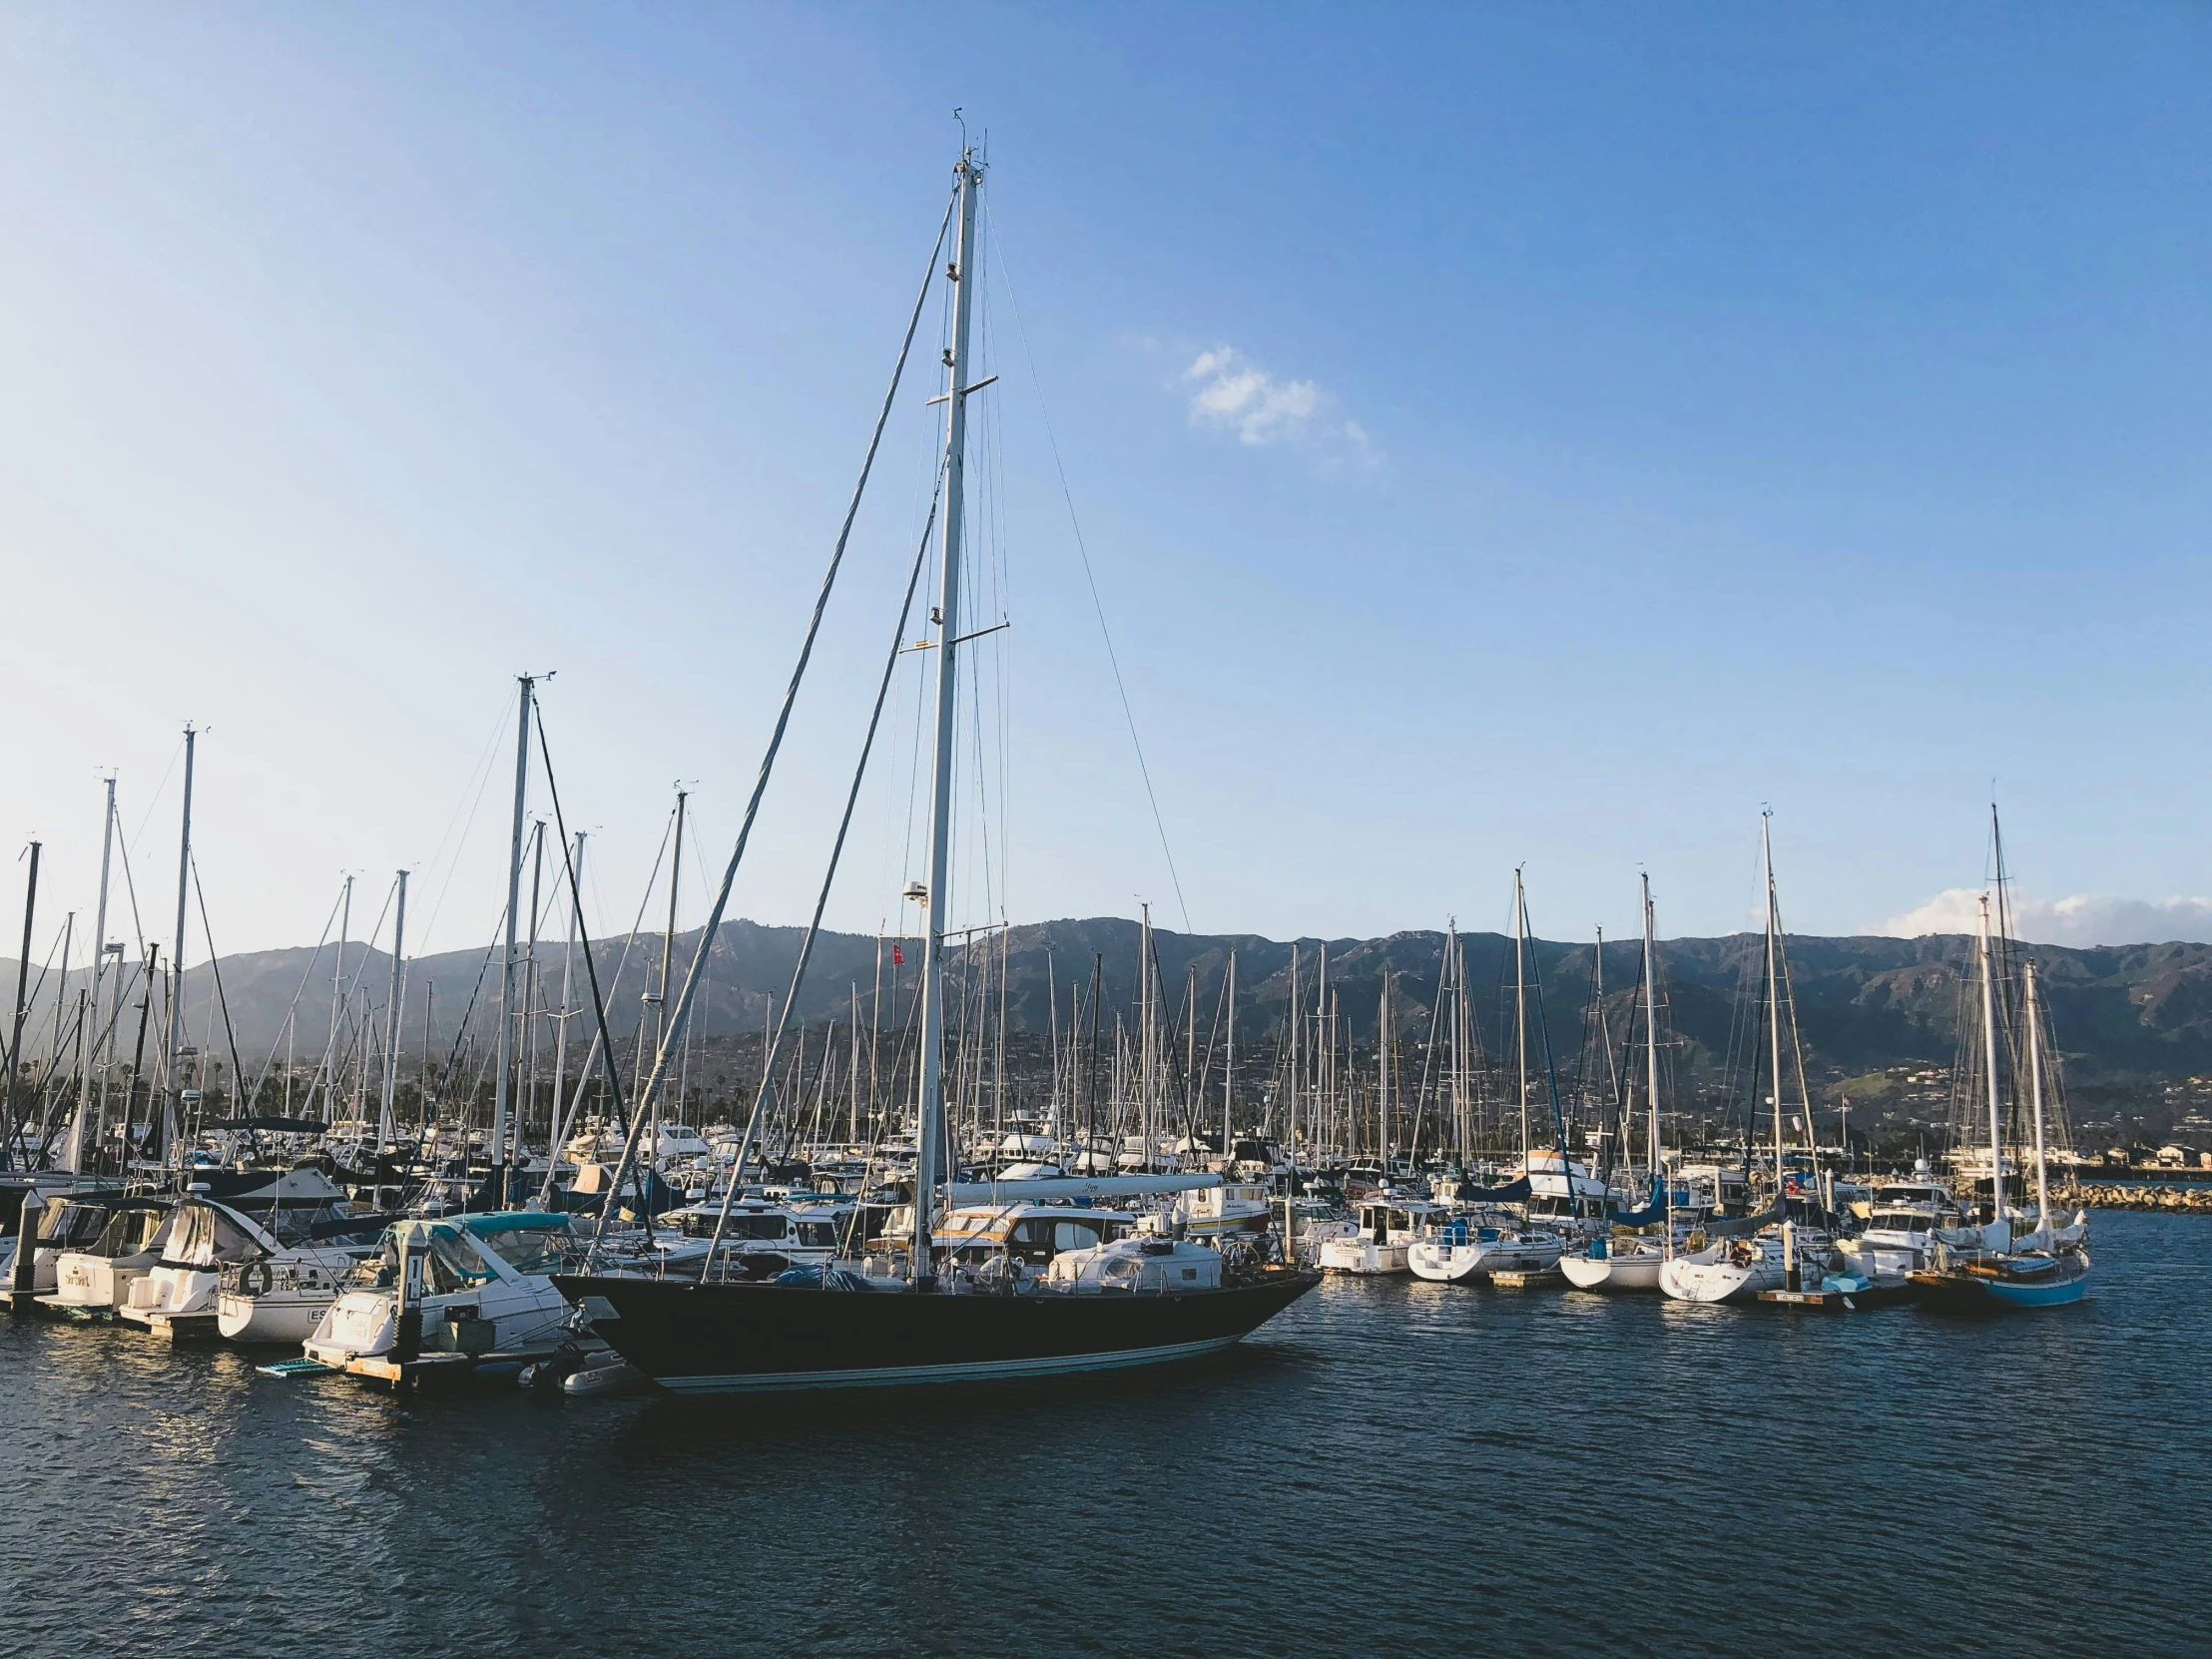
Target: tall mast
1382 1076
668 953
937 906
1521 1008
86 1037
337 998
384 1124
1989 1059
502 1083
533 988
1228 1070
1606 1036
174 1034
2035 1090
1651 1033
15 1026
1290 1111
560 1035
1773 996
1147 1058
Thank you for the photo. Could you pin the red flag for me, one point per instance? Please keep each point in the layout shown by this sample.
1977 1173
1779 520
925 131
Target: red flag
898 958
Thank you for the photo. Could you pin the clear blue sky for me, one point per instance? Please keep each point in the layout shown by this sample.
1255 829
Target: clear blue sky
1621 416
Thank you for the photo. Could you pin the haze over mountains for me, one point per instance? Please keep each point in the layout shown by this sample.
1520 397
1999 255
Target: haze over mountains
1864 1004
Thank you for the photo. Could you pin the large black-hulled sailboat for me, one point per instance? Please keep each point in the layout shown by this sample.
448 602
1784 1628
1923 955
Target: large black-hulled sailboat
1131 1303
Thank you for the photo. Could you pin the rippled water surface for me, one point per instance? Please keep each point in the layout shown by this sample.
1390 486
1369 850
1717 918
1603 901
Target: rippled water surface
1391 1468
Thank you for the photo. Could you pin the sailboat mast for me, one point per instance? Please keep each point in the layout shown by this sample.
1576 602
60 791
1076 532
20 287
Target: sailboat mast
87 1041
560 1033
2035 1091
936 900
1521 1008
1651 1033
173 1037
1989 1059
1228 1070
1146 1061
501 1099
1774 994
11 1147
337 1000
385 1125
1298 1059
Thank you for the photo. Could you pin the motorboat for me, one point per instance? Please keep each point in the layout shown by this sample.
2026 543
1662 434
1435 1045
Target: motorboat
467 1283
1904 1220
64 1221
1387 1228
310 1243
1232 1206
94 1280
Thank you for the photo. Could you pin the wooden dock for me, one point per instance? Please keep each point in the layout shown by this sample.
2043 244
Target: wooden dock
446 1369
1515 1280
1873 1296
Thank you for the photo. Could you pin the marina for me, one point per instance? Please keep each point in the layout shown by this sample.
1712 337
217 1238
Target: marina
1095 830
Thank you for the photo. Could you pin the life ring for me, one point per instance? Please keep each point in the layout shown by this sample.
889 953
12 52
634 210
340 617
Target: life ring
255 1279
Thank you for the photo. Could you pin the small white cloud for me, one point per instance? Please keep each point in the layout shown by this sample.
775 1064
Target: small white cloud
1231 392
2082 920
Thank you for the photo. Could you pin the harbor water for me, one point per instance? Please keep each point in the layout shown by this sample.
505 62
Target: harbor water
1391 1466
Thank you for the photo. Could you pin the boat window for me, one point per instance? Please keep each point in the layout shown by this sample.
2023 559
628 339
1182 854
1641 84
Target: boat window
72 1226
203 1236
454 1265
130 1231
1068 1235
530 1249
291 1226
754 1226
823 1235
375 1273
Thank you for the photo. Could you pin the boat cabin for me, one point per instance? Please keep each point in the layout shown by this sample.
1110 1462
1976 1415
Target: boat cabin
1032 1233
1402 1222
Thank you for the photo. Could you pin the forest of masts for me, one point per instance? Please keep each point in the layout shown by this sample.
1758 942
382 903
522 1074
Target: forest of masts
1164 1073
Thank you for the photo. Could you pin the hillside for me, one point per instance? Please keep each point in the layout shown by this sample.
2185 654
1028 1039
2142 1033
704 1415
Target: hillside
1866 1004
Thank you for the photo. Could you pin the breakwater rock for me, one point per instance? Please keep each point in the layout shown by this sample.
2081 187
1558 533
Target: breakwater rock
2195 1201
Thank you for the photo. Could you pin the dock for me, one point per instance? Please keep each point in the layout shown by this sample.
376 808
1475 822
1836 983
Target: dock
1873 1296
446 1369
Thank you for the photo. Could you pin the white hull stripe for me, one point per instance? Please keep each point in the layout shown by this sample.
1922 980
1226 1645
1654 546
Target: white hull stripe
896 1376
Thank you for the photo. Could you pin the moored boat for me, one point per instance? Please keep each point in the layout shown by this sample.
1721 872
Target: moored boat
456 1284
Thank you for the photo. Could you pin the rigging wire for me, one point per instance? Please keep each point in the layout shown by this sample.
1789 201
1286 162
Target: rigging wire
671 1036
1090 580
828 878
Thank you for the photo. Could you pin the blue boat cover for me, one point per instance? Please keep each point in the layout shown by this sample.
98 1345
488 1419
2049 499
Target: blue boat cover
1651 1215
1513 1192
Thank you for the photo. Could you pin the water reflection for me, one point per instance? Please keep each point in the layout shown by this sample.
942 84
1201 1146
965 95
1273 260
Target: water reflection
1457 1466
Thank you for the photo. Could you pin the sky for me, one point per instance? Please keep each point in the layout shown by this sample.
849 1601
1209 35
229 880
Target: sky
1511 435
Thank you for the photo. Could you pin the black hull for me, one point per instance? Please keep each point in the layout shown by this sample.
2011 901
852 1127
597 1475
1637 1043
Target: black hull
747 1339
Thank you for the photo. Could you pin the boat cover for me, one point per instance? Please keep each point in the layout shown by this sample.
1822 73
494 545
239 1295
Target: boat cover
1513 1192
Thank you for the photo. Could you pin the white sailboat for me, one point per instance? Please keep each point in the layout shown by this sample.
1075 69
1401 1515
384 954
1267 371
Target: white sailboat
1992 1267
1629 1262
1739 1269
1482 1240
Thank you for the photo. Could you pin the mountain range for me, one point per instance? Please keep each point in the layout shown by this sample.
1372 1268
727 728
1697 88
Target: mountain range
1864 1005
